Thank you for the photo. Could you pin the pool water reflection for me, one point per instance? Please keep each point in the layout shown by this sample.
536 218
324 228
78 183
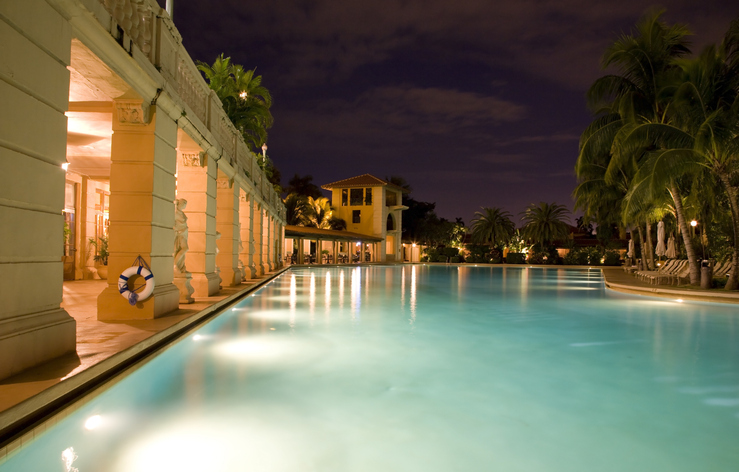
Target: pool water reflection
421 368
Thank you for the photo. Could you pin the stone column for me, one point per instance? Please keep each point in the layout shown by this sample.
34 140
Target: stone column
142 193
227 223
265 241
33 136
245 217
196 183
301 252
257 237
273 248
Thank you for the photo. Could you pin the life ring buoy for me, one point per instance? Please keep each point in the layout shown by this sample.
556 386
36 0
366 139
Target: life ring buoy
130 295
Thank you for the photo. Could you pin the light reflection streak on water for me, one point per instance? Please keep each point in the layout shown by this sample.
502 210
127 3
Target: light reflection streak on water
341 289
413 294
312 298
402 288
356 291
327 295
293 299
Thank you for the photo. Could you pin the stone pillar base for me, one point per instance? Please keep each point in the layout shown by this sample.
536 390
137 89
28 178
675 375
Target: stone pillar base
182 281
205 285
113 307
265 268
28 340
251 271
230 277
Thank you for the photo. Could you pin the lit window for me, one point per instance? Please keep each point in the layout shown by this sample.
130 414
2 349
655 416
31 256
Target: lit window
355 196
368 196
356 216
344 197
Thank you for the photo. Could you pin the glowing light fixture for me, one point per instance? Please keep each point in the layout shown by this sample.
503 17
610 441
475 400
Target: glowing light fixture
65 166
93 422
197 337
243 94
264 150
679 300
693 223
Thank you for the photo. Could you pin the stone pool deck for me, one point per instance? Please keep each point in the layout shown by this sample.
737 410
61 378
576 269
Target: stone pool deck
619 280
107 348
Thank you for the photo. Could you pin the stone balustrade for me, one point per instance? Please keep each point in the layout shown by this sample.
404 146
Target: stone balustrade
142 24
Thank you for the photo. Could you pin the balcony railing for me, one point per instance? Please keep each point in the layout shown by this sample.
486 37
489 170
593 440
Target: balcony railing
152 32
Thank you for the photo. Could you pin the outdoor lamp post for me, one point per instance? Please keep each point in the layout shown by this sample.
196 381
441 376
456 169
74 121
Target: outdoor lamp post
264 150
693 224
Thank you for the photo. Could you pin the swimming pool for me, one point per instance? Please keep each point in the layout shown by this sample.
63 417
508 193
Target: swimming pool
422 368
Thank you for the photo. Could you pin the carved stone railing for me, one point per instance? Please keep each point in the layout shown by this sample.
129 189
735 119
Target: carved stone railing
136 19
149 28
189 88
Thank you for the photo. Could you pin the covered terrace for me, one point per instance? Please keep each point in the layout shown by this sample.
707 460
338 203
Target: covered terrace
305 245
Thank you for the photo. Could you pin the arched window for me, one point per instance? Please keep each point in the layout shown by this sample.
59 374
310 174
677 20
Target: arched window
390 222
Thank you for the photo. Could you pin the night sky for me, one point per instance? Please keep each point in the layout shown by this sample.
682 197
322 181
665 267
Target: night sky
474 102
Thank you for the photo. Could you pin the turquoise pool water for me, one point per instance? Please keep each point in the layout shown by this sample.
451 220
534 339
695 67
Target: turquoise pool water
421 368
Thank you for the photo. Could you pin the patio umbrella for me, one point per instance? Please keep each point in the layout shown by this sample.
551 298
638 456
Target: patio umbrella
671 249
660 250
630 252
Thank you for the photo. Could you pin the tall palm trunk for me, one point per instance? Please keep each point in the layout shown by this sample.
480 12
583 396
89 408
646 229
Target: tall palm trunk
650 247
695 270
733 282
642 260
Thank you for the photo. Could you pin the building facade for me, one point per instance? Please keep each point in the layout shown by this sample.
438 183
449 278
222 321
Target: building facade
112 144
371 206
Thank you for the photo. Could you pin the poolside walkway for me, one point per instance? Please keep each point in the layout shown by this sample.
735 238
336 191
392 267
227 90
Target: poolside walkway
617 279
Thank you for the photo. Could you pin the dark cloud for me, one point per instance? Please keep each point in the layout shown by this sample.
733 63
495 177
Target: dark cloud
474 102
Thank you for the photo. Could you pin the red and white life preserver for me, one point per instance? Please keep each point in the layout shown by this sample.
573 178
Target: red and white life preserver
132 296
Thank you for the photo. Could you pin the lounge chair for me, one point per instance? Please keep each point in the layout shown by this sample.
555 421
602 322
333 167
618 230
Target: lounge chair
680 275
652 275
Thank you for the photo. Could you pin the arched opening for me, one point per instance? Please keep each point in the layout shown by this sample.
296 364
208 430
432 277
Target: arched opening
390 222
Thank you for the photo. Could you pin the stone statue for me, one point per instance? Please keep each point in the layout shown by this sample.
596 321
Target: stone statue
180 235
241 249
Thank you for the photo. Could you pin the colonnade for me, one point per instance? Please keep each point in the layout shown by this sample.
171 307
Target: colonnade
121 71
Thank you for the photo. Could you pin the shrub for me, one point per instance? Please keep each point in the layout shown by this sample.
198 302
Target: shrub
612 258
455 259
440 258
594 256
450 251
515 258
535 257
576 256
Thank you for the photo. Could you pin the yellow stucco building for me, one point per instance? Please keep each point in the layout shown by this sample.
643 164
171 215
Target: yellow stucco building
107 126
371 206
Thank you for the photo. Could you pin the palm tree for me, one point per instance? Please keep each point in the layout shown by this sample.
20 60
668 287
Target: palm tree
640 95
297 209
492 225
545 223
704 132
321 214
245 100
